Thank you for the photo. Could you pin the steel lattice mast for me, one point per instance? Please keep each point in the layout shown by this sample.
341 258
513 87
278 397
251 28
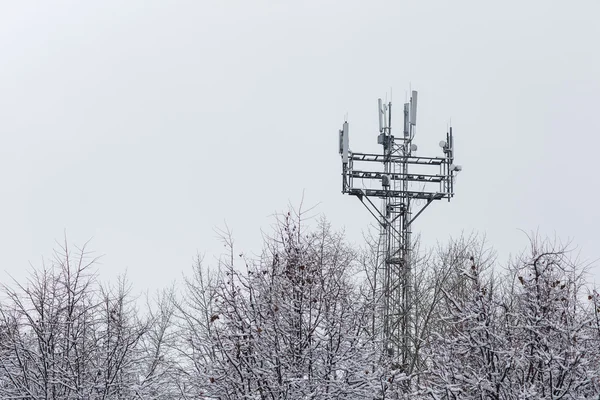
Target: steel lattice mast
403 182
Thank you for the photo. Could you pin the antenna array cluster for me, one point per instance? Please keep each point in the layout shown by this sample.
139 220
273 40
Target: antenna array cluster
402 181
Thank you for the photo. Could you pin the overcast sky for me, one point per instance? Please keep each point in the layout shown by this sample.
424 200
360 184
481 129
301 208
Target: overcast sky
143 125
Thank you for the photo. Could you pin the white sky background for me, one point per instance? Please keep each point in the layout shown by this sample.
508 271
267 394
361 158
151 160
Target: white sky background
143 125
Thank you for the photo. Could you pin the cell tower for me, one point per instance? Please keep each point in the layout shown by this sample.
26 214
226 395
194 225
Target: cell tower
387 176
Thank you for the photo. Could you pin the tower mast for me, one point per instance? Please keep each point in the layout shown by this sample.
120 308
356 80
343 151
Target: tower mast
400 190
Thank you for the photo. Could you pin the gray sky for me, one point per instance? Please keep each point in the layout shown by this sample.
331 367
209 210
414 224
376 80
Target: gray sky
143 125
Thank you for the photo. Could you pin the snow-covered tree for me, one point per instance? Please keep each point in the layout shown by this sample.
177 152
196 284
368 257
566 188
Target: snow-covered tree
550 326
468 358
64 336
531 338
49 348
302 321
289 325
157 364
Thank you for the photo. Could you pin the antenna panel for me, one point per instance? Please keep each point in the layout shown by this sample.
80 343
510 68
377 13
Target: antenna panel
406 122
345 143
413 108
380 113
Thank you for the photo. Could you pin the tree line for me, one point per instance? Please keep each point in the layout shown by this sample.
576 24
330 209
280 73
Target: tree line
301 321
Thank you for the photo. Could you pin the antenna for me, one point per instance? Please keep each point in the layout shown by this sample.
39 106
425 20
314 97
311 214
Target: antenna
406 123
381 115
344 142
413 108
398 190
